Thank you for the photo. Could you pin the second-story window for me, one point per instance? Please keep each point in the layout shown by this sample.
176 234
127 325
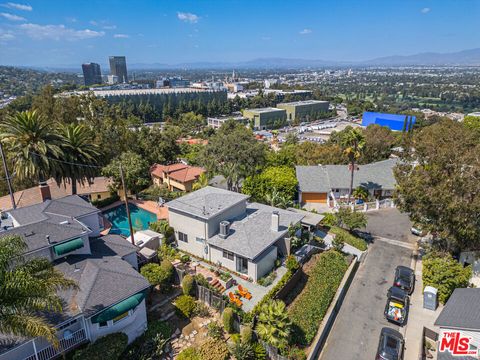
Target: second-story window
182 237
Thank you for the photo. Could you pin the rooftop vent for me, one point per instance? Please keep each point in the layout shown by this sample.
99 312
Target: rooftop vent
275 221
224 229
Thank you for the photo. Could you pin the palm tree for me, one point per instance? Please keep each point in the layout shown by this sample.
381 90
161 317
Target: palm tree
33 143
201 182
28 287
360 193
272 198
78 148
273 324
352 143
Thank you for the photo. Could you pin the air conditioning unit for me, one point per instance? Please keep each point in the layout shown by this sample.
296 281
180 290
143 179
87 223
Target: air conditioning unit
224 229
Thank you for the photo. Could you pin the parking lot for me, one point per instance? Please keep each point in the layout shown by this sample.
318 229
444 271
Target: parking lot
357 327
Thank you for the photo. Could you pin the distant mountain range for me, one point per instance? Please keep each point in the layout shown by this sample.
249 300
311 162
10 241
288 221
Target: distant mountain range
461 58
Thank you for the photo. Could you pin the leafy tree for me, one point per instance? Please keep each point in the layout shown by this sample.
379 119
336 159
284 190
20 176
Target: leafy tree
379 142
310 153
351 219
352 143
33 144
472 123
273 324
78 148
135 170
187 285
338 241
201 182
162 227
158 146
185 305
27 288
437 183
446 274
158 274
284 157
233 152
291 139
191 123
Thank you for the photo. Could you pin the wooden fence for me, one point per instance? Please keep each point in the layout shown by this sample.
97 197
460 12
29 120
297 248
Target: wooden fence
211 298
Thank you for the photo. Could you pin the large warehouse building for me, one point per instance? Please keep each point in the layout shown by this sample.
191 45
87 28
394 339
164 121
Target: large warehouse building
307 110
392 121
266 118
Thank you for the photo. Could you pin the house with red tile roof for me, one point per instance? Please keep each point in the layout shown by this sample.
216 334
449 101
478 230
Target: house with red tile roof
176 177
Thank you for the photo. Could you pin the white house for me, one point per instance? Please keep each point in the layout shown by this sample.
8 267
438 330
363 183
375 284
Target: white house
110 295
222 227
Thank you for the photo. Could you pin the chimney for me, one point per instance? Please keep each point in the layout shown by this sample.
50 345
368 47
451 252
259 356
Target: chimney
224 229
275 221
45 191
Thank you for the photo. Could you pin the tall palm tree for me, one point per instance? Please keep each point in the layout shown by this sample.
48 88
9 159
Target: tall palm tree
78 148
33 143
352 143
26 289
273 324
201 182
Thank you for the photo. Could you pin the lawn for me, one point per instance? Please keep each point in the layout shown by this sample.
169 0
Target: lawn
310 306
350 239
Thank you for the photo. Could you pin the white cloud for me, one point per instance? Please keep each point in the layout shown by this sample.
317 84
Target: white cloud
58 32
12 17
93 22
305 32
16 6
425 10
121 36
71 19
188 17
6 35
110 27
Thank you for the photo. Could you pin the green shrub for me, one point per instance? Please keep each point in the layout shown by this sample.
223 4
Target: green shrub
446 274
184 258
215 330
351 219
159 327
166 252
227 318
247 334
189 354
259 352
310 306
236 338
338 241
187 285
109 347
143 348
153 348
291 263
185 305
242 351
350 239
162 227
267 280
295 353
329 219
105 202
152 273
273 291
201 309
214 350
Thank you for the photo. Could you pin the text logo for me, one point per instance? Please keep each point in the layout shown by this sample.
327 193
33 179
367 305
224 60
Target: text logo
456 344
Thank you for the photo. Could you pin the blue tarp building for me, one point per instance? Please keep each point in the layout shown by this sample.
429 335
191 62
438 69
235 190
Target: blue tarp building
393 121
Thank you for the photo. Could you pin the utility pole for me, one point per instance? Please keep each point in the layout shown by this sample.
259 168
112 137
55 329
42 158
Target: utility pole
7 175
126 204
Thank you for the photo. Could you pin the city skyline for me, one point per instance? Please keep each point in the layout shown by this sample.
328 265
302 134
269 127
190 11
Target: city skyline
56 33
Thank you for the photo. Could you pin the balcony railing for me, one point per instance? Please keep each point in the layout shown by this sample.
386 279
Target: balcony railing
75 339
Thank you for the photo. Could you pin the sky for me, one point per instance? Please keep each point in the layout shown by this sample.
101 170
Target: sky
71 32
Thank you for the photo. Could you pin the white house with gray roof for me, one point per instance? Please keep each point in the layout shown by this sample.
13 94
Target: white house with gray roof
326 183
110 294
222 227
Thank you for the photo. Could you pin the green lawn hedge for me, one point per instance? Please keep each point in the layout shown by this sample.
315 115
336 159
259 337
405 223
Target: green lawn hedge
310 306
349 238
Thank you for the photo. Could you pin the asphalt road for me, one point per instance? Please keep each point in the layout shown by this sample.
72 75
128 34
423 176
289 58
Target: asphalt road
356 330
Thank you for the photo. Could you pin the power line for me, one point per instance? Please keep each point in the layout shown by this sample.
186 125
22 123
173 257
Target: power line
66 162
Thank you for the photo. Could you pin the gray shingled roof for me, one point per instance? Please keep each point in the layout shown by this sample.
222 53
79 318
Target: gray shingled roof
461 310
112 245
69 206
207 202
324 178
251 234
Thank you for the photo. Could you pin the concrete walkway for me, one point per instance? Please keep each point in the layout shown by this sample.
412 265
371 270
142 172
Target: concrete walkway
418 317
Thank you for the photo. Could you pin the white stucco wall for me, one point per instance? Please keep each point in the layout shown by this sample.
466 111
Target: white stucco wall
264 264
133 325
193 227
229 214
93 222
216 255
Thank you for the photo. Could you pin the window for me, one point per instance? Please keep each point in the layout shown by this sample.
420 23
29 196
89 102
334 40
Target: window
99 196
199 240
103 324
67 324
120 317
182 237
228 255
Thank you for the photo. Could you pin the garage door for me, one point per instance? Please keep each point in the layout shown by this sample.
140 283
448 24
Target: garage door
314 197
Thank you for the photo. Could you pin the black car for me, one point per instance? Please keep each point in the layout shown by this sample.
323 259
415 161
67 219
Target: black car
396 309
404 279
390 346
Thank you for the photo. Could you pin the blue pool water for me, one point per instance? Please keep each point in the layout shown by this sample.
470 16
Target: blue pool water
118 218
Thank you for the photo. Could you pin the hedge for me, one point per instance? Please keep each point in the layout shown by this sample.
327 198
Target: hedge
310 306
185 305
350 239
105 202
108 347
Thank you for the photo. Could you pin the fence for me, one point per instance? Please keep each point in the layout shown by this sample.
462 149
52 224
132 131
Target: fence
211 298
75 339
289 285
426 334
368 206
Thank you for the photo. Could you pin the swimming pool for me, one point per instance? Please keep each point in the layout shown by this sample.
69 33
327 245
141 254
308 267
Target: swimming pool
118 218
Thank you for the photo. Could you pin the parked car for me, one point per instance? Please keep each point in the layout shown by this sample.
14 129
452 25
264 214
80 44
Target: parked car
404 279
417 230
390 346
396 309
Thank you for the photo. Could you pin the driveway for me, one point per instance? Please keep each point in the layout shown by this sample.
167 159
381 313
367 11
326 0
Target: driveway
354 335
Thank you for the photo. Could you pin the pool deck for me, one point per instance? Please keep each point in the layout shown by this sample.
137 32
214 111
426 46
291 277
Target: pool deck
150 206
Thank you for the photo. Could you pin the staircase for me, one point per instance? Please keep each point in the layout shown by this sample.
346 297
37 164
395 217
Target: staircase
216 284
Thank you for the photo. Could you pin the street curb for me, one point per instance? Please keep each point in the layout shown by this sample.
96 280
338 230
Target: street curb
329 318
413 266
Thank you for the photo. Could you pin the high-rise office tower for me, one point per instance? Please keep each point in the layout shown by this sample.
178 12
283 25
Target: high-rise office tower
91 74
118 67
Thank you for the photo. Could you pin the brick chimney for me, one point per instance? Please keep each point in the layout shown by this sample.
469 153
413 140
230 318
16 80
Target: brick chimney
44 191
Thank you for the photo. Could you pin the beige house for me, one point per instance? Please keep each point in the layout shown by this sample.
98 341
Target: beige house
176 177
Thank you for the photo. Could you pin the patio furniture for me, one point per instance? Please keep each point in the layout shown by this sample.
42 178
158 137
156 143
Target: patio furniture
234 299
244 292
